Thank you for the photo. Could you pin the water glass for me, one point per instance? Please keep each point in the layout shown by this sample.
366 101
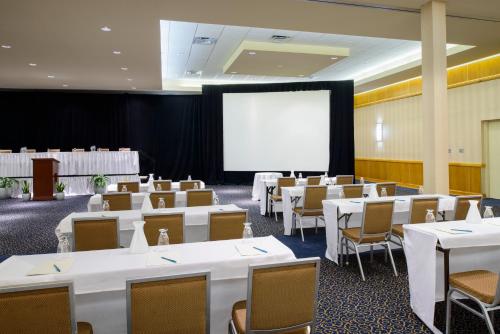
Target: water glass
300 175
421 190
105 205
124 189
429 217
247 231
159 178
158 187
361 180
341 193
189 178
161 203
163 237
195 186
63 245
383 192
488 212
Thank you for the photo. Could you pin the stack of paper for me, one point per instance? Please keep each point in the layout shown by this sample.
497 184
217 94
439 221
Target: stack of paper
56 266
248 250
161 258
453 230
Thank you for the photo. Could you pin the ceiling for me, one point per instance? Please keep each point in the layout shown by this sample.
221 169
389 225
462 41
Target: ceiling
64 40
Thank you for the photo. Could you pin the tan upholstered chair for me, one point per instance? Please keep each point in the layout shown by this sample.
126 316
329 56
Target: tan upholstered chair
132 186
344 179
171 304
165 185
276 198
313 180
313 206
353 190
95 233
168 197
3 151
376 226
118 201
187 185
281 298
124 149
40 308
30 150
173 222
390 188
418 211
103 149
462 205
199 197
78 150
225 225
480 286
54 150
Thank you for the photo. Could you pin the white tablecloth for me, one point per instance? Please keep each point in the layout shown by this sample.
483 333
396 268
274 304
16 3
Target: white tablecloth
99 277
256 191
333 208
149 186
195 220
471 251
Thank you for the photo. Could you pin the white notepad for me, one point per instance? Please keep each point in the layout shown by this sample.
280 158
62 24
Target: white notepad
247 250
55 266
451 231
162 258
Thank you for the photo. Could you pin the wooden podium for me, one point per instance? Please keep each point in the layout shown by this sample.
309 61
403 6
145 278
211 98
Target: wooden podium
45 171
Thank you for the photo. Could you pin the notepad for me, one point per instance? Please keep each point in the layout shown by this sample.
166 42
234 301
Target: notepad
247 250
451 231
162 259
55 266
495 222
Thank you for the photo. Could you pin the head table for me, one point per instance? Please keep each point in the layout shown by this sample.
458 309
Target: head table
99 276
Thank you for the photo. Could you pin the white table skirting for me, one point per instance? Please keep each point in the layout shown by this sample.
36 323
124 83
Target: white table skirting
333 208
256 191
99 277
470 251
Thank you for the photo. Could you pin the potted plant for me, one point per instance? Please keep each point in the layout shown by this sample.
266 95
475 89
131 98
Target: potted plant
6 185
99 182
25 189
60 190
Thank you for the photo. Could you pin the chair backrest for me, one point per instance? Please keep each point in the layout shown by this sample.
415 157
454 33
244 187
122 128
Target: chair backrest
287 181
462 205
187 185
174 222
30 150
38 308
377 219
78 150
168 197
3 151
55 150
172 304
124 149
95 233
314 196
199 197
344 179
419 207
353 190
282 295
132 186
118 201
225 225
103 149
390 188
165 185
313 180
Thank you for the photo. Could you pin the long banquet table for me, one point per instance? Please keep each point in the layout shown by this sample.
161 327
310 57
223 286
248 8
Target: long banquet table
148 186
99 277
332 209
257 185
479 249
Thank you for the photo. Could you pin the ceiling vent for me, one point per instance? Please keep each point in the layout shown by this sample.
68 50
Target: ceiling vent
194 72
280 38
201 40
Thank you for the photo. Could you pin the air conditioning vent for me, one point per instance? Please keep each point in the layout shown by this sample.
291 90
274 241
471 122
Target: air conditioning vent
280 38
201 40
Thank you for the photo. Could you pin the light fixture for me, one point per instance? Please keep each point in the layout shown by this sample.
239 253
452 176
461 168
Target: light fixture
252 53
379 132
129 79
65 85
116 52
333 58
51 76
124 68
6 46
32 64
133 87
280 66
203 40
106 28
234 72
301 75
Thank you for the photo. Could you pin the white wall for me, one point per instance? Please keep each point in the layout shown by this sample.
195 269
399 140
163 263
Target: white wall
404 128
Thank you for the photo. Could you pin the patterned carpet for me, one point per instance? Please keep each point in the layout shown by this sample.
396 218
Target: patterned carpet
346 304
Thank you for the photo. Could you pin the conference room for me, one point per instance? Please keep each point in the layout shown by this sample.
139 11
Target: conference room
235 166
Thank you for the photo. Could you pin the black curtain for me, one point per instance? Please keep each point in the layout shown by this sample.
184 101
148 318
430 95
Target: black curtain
341 123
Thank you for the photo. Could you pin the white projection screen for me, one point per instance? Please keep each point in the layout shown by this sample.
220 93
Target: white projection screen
278 131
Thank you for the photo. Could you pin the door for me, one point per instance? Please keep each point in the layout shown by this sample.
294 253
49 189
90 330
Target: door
494 158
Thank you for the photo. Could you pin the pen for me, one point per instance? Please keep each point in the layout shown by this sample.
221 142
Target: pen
459 230
166 258
57 268
260 249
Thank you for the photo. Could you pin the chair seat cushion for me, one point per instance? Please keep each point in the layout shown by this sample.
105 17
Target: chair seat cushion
354 232
277 198
398 230
307 212
481 284
84 328
240 315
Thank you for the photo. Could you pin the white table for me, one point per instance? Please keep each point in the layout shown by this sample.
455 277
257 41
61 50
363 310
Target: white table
426 265
293 196
332 209
99 277
195 220
149 186
256 191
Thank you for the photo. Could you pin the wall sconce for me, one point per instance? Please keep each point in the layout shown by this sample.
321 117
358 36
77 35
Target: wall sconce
379 132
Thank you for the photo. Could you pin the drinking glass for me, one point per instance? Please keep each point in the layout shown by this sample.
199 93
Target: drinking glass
300 175
105 205
429 217
159 178
63 245
195 186
163 237
158 187
341 193
421 190
247 231
362 180
383 192
488 212
161 203
189 177
124 189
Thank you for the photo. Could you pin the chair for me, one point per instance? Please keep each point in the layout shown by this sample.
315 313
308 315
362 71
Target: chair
168 197
54 150
124 149
418 211
101 149
47 308
225 225
313 206
5 151
170 304
390 188
118 201
376 226
313 180
187 185
281 298
95 233
353 190
480 286
132 186
165 185
30 150
344 179
173 222
199 197
276 198
462 205
78 150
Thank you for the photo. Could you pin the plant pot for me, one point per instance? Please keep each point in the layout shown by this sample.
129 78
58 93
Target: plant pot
60 196
3 193
99 190
26 197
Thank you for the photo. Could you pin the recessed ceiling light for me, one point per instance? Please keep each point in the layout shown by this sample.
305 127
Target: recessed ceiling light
51 76
116 52
301 75
65 85
6 46
234 72
280 66
129 79
124 68
106 28
333 58
133 87
251 53
32 64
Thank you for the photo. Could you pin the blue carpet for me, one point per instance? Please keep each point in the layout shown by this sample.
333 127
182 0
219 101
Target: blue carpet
3 258
313 245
